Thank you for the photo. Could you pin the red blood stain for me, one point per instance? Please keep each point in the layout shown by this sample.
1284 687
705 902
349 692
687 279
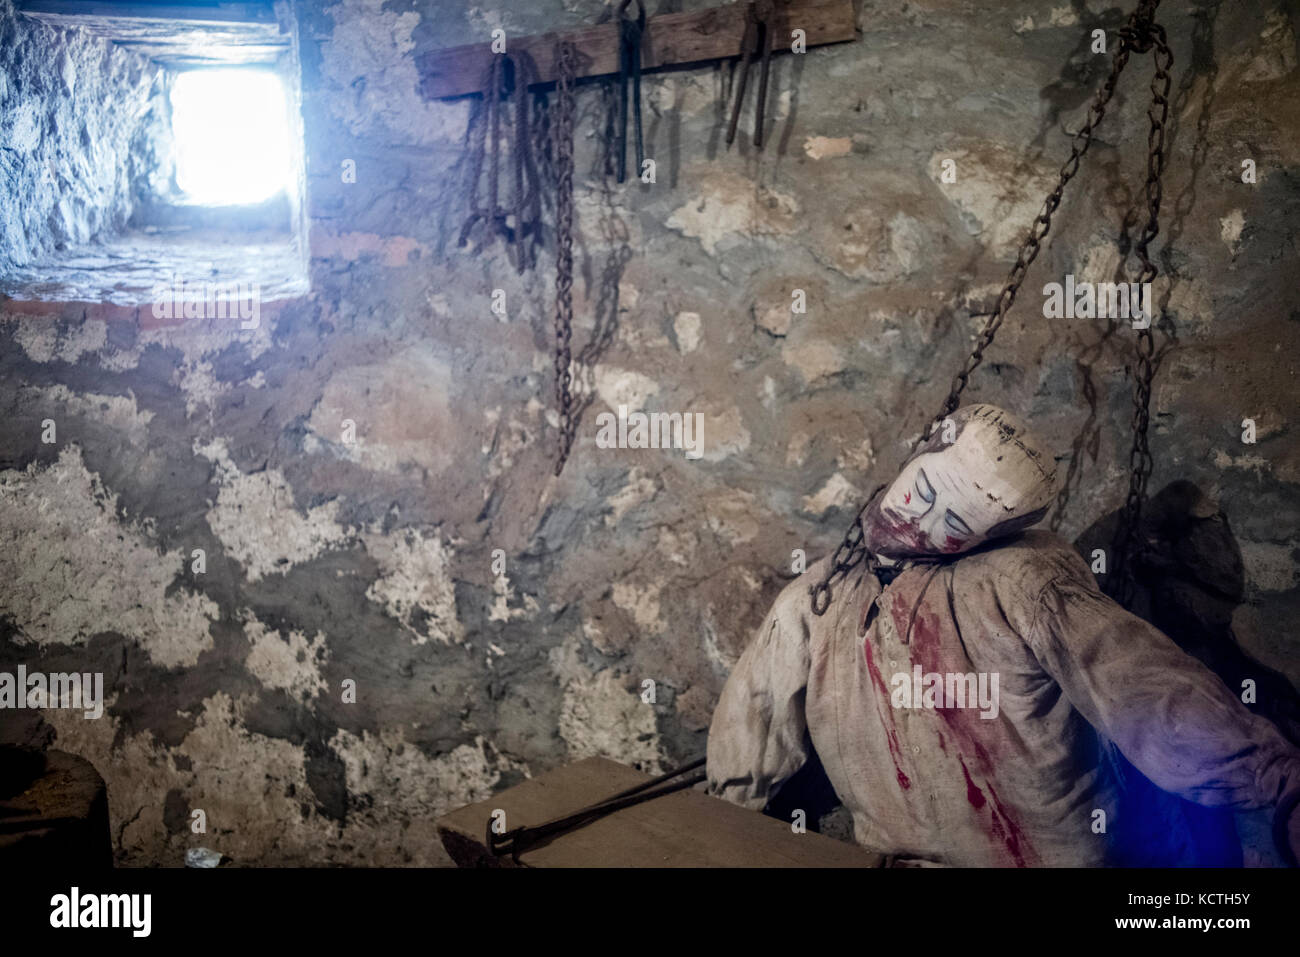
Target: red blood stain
973 794
928 649
891 733
895 536
951 544
876 678
907 498
924 642
1013 837
903 781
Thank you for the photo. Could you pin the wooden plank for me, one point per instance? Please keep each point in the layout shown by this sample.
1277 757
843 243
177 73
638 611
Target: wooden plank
673 39
683 829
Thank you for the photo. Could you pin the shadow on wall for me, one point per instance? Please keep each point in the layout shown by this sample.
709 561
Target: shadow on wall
1189 581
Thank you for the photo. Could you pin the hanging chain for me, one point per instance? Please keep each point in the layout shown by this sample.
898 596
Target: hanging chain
851 551
1137 36
525 206
566 63
1143 36
486 118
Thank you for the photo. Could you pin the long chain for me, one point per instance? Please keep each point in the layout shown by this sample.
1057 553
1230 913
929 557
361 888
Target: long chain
1138 35
566 61
1147 35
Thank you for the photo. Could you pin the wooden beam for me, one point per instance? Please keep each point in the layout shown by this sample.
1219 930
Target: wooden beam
674 39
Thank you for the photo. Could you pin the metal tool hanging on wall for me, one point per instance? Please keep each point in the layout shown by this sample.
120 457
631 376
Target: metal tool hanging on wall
627 45
759 19
630 32
518 224
681 38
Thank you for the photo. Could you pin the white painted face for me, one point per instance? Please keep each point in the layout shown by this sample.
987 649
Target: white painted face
994 479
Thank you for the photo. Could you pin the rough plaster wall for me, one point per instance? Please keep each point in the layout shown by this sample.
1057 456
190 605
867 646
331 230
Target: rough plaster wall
372 560
70 106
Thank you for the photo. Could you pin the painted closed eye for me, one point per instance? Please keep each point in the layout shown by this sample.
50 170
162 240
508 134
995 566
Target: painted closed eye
923 487
953 523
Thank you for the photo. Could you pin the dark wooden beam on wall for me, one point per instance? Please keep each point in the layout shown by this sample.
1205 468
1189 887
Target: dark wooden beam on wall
673 39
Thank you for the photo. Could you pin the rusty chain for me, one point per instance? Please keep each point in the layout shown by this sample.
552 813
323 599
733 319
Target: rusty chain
851 551
1139 35
525 206
1144 36
566 58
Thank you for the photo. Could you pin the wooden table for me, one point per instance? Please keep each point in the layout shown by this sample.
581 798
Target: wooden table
683 829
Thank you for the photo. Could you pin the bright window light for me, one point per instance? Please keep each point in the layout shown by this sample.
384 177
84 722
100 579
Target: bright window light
232 135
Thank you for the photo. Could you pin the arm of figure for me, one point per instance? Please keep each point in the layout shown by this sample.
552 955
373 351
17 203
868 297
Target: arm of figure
1169 714
758 738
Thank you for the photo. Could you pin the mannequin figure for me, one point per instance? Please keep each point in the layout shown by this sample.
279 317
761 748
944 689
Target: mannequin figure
892 685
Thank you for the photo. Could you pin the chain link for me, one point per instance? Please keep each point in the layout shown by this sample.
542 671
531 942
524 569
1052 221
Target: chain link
1139 35
566 63
851 551
1143 36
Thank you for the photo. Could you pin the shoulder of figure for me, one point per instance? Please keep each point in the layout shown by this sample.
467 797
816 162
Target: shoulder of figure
1027 563
795 599
802 584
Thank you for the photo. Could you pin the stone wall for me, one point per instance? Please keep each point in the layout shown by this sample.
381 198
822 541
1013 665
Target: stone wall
71 105
329 559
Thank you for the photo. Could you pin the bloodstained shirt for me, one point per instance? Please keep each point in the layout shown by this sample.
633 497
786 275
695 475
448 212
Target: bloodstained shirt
941 777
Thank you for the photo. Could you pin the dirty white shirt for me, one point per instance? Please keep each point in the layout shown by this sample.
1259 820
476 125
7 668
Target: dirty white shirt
945 785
